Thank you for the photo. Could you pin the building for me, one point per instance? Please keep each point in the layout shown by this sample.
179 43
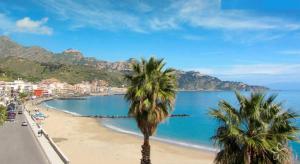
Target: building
83 88
17 85
99 86
71 50
2 88
38 92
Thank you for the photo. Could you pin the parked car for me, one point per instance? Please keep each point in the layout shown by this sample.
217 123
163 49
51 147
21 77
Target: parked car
11 116
24 123
11 107
20 112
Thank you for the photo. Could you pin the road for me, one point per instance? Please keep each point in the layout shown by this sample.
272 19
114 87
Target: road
18 144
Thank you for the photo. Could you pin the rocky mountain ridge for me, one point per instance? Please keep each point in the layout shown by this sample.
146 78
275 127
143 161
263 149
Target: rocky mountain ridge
71 66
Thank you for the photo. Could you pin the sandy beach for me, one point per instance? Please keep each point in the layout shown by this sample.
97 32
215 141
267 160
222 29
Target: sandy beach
83 141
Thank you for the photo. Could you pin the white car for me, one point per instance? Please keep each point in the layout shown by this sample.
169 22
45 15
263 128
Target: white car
24 123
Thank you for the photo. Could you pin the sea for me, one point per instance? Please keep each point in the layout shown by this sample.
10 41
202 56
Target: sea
194 131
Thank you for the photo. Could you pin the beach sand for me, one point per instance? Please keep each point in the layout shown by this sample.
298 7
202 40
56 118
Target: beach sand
84 141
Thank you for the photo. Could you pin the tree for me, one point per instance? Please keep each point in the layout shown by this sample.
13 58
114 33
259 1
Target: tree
23 96
151 94
257 131
3 114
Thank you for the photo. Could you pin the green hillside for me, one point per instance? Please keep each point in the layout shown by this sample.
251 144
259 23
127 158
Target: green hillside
35 64
14 67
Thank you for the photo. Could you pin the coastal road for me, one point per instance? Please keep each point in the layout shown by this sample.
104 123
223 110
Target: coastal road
18 144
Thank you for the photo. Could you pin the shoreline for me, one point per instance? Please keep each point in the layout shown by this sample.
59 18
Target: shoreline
135 134
73 134
180 144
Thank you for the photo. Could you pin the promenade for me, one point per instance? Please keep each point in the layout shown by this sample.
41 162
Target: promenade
19 145
53 153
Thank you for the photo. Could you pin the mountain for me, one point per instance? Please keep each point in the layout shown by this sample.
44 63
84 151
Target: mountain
36 63
69 57
16 67
192 80
10 48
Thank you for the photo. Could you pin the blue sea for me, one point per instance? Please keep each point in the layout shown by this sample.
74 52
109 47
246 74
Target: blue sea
194 131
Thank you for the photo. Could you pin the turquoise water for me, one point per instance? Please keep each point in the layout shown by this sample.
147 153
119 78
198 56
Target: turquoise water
194 131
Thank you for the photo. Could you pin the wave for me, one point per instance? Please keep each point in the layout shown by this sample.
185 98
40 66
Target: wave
169 141
65 111
48 106
72 113
122 130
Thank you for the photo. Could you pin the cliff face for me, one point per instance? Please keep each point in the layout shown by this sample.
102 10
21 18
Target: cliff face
36 63
196 81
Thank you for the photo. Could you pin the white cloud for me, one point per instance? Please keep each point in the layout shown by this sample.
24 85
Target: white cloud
95 14
193 37
24 25
251 37
31 26
160 24
208 14
290 52
257 74
142 17
253 69
143 7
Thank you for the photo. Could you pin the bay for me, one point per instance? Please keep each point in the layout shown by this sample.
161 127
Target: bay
194 131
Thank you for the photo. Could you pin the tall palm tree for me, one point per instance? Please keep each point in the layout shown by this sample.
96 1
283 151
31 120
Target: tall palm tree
256 131
3 114
151 94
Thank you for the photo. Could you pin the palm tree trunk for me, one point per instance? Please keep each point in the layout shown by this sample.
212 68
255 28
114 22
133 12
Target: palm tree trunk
248 157
146 151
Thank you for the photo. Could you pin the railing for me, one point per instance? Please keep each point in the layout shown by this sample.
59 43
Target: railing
56 148
63 158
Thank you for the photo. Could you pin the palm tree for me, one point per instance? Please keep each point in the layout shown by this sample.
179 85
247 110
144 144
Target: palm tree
3 114
257 131
151 94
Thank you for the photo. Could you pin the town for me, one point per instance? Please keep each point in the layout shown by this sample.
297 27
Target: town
55 88
20 100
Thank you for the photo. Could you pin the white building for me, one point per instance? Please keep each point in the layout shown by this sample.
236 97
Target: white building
17 85
21 86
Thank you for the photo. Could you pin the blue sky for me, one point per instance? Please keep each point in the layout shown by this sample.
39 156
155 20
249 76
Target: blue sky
254 41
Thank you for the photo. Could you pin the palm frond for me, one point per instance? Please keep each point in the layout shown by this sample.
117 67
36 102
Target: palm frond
151 93
258 131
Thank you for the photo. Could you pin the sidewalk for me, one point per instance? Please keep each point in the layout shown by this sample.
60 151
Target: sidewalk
51 154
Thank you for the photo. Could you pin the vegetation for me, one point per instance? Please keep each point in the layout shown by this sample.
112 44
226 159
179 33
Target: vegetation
151 94
258 131
192 80
35 63
14 67
3 114
23 96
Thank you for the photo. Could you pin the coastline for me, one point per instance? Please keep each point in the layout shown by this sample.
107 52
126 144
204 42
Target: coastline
173 153
119 130
166 141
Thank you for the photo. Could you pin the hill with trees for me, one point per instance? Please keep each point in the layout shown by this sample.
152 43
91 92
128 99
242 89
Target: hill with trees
36 63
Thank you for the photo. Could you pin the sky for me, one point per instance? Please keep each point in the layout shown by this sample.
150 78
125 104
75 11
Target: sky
253 41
